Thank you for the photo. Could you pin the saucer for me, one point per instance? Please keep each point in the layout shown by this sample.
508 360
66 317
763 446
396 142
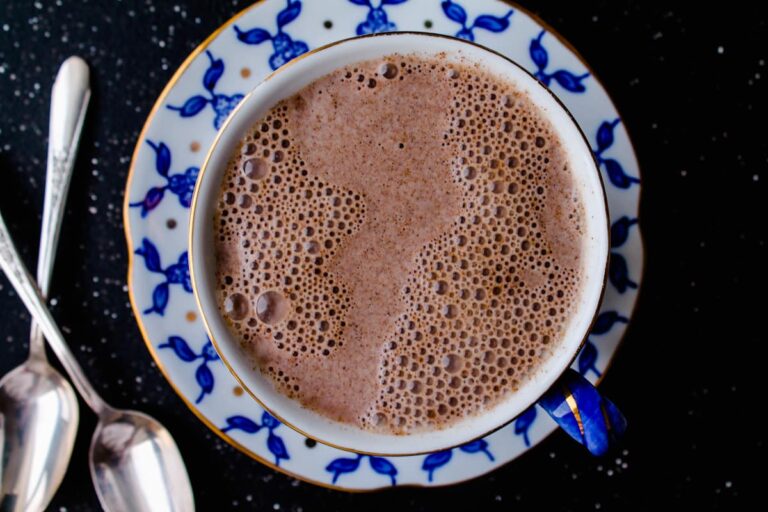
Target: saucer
173 144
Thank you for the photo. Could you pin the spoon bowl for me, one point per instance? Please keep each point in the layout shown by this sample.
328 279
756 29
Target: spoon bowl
135 465
40 413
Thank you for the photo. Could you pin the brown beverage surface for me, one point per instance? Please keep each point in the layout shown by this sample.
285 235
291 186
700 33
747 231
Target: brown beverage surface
399 244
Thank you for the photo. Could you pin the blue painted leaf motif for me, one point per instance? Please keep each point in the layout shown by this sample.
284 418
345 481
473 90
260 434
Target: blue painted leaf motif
605 135
213 73
618 273
180 348
288 14
277 447
454 12
241 423
375 23
569 81
605 321
185 197
466 34
187 283
184 263
151 256
392 2
587 359
523 424
269 421
616 174
204 378
191 175
182 185
192 106
159 300
277 60
179 273
209 352
184 260
436 460
176 274
223 105
361 2
620 231
383 467
477 446
253 36
177 183
340 466
538 53
152 199
162 157
493 23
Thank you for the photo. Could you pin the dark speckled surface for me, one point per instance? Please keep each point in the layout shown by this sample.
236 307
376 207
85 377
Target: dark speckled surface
690 80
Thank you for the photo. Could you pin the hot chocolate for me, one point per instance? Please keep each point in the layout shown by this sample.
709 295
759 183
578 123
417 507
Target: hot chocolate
398 245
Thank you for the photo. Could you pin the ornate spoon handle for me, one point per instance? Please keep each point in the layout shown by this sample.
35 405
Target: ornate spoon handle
69 101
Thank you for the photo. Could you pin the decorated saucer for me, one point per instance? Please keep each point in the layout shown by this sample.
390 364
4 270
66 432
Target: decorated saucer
173 145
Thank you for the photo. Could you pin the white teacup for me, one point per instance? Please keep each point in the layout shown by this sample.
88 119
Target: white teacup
563 405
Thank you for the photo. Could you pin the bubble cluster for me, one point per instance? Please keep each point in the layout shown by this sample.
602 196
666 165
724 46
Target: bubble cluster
479 306
275 225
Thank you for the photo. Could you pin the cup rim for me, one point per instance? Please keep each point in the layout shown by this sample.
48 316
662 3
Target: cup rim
194 207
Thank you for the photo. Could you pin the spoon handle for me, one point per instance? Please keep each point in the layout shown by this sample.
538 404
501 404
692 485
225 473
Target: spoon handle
69 101
22 282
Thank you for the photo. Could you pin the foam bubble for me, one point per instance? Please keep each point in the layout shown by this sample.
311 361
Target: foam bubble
236 306
271 307
255 168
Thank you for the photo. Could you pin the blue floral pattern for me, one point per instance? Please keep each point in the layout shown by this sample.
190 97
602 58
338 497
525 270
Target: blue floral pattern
605 322
284 47
275 443
618 272
221 104
436 460
377 20
524 422
203 374
456 13
181 184
613 169
566 79
379 465
587 360
177 273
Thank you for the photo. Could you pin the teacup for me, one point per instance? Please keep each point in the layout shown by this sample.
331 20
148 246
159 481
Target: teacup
568 397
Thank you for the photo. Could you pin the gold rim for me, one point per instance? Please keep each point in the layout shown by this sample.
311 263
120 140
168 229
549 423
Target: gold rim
129 241
205 167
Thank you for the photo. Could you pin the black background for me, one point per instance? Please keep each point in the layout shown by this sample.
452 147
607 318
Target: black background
690 81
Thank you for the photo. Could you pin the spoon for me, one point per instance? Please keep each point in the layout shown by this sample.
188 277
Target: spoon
135 464
38 405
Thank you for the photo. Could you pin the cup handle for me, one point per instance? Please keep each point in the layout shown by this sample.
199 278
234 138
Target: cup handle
577 407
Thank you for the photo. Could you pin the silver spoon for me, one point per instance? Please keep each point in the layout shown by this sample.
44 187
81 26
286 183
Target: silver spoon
39 406
135 464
